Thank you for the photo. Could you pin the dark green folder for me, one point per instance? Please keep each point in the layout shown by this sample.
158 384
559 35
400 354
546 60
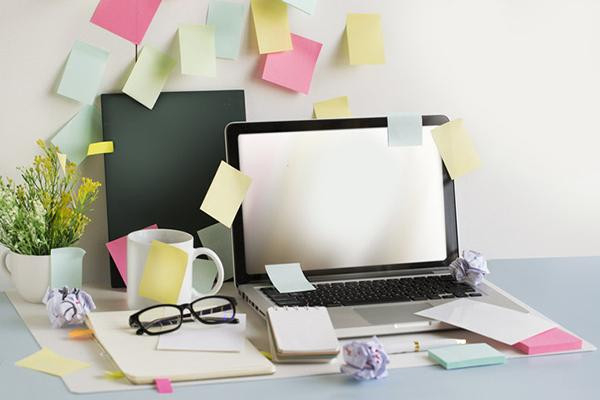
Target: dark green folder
164 159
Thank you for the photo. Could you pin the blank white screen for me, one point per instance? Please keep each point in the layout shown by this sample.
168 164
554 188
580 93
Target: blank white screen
340 199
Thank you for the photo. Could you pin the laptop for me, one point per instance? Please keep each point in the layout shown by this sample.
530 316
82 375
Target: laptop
372 226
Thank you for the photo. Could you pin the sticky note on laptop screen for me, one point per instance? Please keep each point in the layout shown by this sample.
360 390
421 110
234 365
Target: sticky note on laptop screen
466 355
288 278
550 341
456 148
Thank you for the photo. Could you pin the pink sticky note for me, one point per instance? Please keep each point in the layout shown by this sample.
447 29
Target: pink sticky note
127 18
118 251
163 385
550 341
293 69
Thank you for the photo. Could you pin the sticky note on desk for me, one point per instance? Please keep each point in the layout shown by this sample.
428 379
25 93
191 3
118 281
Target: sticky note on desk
83 73
466 355
405 129
148 76
271 26
66 267
118 251
288 278
337 107
228 20
126 18
308 6
51 363
163 273
293 69
74 138
217 237
197 50
364 39
456 148
552 340
225 194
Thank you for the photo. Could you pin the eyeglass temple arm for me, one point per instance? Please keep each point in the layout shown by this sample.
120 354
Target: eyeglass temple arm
188 317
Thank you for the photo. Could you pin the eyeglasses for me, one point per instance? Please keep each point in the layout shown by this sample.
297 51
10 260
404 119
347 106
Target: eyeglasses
165 318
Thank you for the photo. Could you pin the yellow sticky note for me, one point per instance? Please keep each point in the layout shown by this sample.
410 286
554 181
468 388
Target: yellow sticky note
62 159
114 375
225 194
456 148
100 148
365 39
337 107
51 363
271 26
197 50
163 273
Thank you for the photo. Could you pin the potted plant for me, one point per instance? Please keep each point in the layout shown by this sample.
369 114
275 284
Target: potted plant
46 211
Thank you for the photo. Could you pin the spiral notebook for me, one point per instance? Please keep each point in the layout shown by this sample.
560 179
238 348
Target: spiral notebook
301 334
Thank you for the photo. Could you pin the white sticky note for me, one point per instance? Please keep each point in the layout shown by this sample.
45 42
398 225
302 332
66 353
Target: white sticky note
288 278
405 129
498 323
196 336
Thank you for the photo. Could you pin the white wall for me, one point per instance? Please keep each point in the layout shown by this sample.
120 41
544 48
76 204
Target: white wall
524 74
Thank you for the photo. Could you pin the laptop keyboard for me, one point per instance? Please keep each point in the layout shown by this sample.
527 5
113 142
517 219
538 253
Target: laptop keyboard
353 293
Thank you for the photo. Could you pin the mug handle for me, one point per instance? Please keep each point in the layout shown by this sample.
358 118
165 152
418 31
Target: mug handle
4 259
203 251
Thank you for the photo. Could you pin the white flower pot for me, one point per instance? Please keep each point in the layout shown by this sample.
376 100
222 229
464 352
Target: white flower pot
30 275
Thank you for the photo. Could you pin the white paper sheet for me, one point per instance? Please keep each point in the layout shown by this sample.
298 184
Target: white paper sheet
498 323
202 337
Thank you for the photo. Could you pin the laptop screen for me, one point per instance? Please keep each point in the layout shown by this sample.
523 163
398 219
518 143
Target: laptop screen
332 199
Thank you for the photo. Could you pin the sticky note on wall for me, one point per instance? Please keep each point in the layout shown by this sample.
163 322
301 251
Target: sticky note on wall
66 267
271 25
148 76
74 138
456 148
308 6
100 148
405 129
365 39
83 73
337 107
164 272
228 20
127 18
293 69
197 50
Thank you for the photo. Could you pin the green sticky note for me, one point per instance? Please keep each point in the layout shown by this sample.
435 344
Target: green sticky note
308 6
228 20
204 274
405 129
66 266
74 138
83 73
148 76
466 355
217 237
197 50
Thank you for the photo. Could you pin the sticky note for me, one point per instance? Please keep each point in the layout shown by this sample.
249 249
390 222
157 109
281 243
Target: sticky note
74 138
118 251
228 20
225 194
163 273
114 374
81 333
163 385
217 237
271 26
364 39
308 6
62 160
51 363
83 73
333 108
127 18
66 267
148 76
552 340
100 148
288 278
203 275
405 129
466 355
197 50
293 69
456 148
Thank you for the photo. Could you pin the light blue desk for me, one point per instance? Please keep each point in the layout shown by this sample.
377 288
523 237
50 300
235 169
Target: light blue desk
564 289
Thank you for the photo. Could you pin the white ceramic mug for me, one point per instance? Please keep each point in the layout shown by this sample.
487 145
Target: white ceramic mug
138 245
30 275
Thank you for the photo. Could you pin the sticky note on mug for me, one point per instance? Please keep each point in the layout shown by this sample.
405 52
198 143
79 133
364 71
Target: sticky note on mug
163 273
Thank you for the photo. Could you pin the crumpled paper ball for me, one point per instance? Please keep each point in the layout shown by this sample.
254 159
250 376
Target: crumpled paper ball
365 360
470 268
67 306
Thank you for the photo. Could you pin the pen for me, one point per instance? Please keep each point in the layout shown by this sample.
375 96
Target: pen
421 345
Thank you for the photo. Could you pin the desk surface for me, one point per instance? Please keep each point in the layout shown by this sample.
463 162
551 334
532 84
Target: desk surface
564 289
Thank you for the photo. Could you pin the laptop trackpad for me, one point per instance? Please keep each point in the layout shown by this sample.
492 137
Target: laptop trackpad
390 314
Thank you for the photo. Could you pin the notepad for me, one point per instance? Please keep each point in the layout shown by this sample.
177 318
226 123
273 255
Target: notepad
466 355
550 341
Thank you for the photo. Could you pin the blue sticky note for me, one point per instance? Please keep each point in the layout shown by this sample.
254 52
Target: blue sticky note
405 129
217 237
288 278
66 267
466 355
83 73
74 138
308 6
204 274
228 20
